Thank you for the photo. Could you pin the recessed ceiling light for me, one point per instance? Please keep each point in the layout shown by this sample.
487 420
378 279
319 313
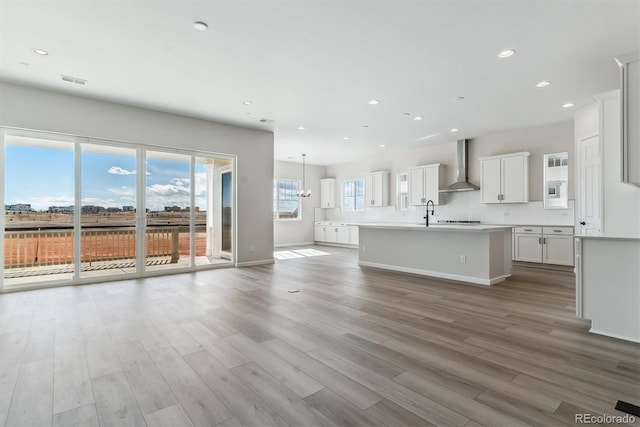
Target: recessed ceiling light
567 105
346 138
418 118
301 128
543 83
459 98
506 53
247 102
200 26
374 102
382 145
454 130
40 52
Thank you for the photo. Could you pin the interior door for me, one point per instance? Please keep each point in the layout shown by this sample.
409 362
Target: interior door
590 218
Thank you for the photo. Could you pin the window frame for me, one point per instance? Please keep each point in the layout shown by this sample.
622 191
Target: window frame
354 196
276 200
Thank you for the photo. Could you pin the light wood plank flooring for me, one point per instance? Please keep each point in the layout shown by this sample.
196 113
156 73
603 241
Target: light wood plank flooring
353 347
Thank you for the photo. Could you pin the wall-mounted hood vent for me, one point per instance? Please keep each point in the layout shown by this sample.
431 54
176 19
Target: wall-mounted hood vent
462 183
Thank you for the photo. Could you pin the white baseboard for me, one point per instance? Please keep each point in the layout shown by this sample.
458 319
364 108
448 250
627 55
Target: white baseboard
439 274
252 263
337 245
607 334
286 245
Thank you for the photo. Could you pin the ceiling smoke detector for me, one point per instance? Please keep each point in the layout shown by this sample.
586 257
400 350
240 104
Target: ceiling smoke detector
75 80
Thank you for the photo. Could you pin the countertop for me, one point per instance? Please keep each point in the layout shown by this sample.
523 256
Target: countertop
611 236
437 227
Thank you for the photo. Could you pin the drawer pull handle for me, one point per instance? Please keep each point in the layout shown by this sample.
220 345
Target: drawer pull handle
557 231
528 229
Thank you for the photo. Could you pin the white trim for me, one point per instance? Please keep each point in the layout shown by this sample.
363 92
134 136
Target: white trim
608 334
77 210
192 211
286 245
338 245
252 263
438 274
2 220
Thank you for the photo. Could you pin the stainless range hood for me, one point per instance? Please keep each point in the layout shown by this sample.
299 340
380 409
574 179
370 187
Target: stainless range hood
462 183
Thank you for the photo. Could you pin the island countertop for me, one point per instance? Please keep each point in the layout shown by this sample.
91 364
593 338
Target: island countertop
436 227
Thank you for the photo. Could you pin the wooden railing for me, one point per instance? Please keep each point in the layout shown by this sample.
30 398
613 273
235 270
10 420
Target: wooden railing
54 247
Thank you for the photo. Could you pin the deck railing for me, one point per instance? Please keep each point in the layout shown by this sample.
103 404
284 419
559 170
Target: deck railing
53 247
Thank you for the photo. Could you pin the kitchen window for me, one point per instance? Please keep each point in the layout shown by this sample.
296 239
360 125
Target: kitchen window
353 193
286 202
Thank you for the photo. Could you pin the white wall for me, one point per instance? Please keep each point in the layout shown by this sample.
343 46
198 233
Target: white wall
298 232
37 109
538 141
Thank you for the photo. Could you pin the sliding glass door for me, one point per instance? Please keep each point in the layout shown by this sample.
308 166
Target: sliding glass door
168 210
108 210
77 209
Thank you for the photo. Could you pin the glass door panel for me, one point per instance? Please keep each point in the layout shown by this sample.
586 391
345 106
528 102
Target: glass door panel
227 214
39 210
108 210
168 205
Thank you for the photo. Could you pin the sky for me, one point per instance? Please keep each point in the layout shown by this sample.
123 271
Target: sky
44 177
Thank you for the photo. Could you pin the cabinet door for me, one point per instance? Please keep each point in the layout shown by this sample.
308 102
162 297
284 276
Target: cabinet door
330 234
369 196
416 187
342 234
528 248
557 250
513 179
318 233
490 181
432 184
328 193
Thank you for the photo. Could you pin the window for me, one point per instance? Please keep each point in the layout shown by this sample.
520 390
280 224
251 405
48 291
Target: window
286 203
403 191
353 192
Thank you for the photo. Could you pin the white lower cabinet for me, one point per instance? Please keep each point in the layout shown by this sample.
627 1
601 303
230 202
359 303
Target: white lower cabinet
547 245
336 233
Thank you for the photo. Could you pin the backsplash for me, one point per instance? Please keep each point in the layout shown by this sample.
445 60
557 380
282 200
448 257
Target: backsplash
459 206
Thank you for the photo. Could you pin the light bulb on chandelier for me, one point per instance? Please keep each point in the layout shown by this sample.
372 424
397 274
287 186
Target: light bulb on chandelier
302 192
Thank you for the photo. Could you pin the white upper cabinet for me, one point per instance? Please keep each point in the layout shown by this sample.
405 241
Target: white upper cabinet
505 178
630 110
376 189
424 184
328 193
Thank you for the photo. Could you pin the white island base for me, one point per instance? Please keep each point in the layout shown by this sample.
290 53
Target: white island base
474 254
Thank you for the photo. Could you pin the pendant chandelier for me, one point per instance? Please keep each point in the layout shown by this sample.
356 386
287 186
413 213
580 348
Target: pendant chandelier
303 192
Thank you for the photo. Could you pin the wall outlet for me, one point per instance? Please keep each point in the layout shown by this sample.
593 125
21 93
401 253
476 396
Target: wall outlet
463 258
252 248
364 248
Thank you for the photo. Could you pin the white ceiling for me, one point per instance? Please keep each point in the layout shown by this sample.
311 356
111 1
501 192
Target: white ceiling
317 63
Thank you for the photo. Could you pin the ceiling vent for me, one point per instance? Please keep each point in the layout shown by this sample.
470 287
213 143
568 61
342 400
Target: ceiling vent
73 80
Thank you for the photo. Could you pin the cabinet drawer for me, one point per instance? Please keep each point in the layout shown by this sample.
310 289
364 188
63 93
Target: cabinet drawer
527 230
567 231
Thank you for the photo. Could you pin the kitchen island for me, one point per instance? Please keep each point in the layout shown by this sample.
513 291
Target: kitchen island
478 254
608 283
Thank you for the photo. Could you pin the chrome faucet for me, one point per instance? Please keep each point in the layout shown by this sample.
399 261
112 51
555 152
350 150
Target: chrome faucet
433 210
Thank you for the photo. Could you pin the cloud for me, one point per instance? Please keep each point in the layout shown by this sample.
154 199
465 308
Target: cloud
117 170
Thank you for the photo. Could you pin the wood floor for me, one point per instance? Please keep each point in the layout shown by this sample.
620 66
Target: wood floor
354 346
